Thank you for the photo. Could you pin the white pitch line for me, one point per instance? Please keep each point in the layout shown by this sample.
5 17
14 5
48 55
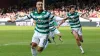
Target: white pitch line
13 43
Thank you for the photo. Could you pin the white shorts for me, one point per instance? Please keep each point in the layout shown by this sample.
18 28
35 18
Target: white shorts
78 30
52 33
40 39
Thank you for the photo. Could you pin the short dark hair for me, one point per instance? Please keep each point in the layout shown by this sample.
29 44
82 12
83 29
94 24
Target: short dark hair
39 1
71 6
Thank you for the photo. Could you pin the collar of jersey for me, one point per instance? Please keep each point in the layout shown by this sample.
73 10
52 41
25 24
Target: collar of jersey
40 12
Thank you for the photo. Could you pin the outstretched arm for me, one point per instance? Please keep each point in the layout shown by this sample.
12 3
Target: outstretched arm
62 22
13 19
85 17
22 19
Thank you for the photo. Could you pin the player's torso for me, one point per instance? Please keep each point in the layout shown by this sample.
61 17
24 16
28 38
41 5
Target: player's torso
74 22
42 21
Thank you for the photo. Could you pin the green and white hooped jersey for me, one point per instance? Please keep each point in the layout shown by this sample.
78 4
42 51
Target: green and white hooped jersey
52 25
74 20
42 21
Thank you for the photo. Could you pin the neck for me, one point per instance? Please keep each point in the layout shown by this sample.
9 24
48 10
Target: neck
39 11
71 12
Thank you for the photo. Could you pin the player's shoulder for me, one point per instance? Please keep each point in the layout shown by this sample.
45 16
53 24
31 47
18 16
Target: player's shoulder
46 11
76 13
33 12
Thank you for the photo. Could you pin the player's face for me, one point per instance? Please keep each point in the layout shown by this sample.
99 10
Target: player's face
72 10
39 5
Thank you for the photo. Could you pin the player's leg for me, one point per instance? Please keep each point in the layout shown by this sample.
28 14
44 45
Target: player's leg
57 32
77 40
80 34
43 41
76 37
46 45
52 36
49 40
81 38
33 49
60 37
34 44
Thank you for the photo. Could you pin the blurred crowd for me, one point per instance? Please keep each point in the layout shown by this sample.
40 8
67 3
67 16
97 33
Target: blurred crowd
14 12
94 13
90 7
57 12
56 7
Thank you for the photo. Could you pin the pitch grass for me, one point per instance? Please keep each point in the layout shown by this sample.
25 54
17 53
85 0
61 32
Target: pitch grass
15 40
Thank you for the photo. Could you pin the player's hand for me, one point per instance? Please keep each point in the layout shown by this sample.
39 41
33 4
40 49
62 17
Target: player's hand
12 19
58 26
9 21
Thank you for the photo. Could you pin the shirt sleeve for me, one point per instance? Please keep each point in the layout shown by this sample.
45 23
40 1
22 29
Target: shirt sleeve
77 14
51 16
55 23
24 18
